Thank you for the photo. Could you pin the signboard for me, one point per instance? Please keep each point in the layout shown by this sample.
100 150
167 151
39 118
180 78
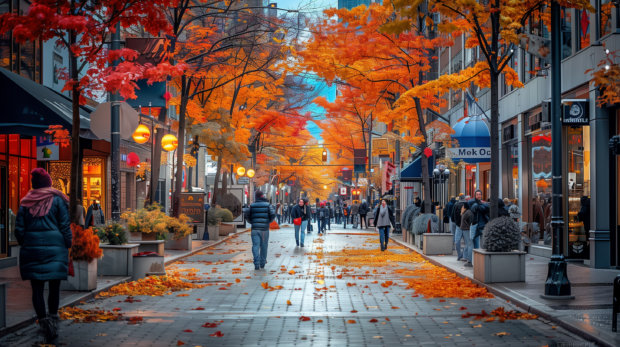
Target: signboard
536 45
386 178
481 153
193 205
46 149
243 180
575 112
343 191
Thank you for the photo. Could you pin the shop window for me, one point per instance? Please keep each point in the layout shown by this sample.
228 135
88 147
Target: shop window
14 144
567 45
606 6
578 175
584 29
13 185
540 145
24 176
25 150
512 152
60 173
2 143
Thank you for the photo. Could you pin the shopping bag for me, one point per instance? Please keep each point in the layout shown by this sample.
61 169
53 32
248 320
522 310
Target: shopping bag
297 221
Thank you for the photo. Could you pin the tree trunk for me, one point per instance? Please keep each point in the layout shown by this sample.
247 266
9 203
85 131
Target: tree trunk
218 172
426 180
494 184
224 186
176 200
75 139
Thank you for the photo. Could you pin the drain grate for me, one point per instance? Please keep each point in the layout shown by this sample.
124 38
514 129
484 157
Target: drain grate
582 307
591 284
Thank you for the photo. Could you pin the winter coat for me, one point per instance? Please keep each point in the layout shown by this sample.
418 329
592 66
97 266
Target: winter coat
355 209
481 214
433 210
45 242
390 213
90 218
322 213
584 213
260 214
466 220
346 211
331 211
449 208
455 216
502 209
298 212
364 209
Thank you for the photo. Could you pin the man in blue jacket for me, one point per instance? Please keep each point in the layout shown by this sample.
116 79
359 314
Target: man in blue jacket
481 217
260 214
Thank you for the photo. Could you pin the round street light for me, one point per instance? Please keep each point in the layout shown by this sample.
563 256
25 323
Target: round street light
169 143
324 187
142 134
250 173
241 171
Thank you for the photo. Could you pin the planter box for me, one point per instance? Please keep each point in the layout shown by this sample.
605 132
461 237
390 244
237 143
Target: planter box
184 243
117 260
148 266
149 236
135 236
405 236
85 278
418 240
156 246
226 229
214 232
200 230
499 267
437 244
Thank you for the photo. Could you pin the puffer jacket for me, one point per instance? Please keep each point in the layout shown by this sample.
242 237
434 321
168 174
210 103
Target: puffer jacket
45 242
364 209
260 214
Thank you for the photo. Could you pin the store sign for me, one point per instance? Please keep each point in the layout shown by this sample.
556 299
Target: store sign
193 205
482 153
343 191
46 149
575 112
243 180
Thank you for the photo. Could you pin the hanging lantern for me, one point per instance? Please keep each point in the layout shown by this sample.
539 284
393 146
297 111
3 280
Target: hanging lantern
142 134
428 152
167 96
133 160
169 143
240 171
250 173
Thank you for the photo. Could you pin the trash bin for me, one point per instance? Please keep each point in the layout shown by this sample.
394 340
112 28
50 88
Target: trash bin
148 264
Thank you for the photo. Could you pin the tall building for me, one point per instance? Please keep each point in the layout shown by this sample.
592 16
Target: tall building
353 3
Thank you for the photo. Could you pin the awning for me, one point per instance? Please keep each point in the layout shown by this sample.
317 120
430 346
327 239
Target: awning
29 108
413 171
474 139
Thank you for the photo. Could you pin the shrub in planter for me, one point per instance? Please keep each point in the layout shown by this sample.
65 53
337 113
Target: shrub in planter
217 215
405 217
85 244
147 220
420 224
112 233
501 235
178 227
414 212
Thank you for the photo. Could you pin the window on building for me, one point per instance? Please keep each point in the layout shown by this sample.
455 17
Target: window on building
583 18
567 44
606 6
23 59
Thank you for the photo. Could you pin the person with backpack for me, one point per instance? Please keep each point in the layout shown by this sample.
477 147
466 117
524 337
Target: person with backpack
355 211
467 218
338 211
298 211
260 214
330 215
481 210
363 211
308 212
346 211
320 214
456 217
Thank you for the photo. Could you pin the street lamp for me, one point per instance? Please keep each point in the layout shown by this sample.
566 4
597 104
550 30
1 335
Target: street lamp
241 171
441 175
142 134
250 173
169 142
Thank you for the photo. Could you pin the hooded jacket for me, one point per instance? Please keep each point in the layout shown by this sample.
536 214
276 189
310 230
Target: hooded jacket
260 214
450 208
364 209
584 213
481 214
355 209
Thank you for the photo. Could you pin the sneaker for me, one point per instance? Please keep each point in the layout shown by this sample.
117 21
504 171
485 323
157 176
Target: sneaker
468 264
302 245
262 266
256 267
463 259
297 243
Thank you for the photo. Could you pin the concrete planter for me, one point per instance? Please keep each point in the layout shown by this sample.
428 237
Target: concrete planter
410 238
226 229
200 230
437 244
148 266
405 236
184 243
499 267
135 236
156 246
149 236
418 240
117 260
85 279
214 232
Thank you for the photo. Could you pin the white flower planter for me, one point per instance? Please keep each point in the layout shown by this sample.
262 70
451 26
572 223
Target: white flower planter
117 260
135 236
148 266
437 244
184 243
418 240
85 277
156 246
499 267
214 232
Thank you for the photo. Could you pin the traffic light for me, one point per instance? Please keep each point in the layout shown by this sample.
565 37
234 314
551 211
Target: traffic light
325 155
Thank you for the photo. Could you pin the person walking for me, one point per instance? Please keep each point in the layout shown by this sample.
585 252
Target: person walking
456 216
313 209
355 211
308 212
447 218
467 218
279 213
584 213
480 210
321 214
285 212
94 216
81 213
260 214
338 212
384 217
346 211
43 230
330 212
298 211
363 211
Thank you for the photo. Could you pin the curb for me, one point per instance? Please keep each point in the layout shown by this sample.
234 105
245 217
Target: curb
201 248
592 335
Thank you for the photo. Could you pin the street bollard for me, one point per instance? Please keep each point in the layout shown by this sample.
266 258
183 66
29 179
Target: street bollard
616 304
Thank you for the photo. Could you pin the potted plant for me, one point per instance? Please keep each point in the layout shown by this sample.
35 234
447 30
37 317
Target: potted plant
117 252
84 250
225 227
214 219
497 261
420 226
179 233
149 221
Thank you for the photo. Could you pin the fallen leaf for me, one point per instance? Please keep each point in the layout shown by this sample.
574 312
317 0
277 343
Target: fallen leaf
320 321
288 302
373 321
320 281
501 334
395 308
217 334
209 325
292 272
183 295
180 343
265 285
304 318
463 308
351 321
477 326
353 311
237 280
187 331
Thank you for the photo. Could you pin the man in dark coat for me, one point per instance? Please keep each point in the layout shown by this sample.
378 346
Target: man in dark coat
330 211
309 215
481 211
260 214
364 209
346 211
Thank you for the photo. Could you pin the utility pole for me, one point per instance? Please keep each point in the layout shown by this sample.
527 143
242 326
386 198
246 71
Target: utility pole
557 284
115 136
397 228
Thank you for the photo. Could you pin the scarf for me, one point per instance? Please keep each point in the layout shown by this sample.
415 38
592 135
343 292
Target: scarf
39 201
384 219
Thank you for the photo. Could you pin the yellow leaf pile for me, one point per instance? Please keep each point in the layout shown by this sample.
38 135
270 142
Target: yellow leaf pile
152 285
78 315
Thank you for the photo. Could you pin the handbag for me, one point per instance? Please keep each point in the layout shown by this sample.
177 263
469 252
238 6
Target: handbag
297 221
71 270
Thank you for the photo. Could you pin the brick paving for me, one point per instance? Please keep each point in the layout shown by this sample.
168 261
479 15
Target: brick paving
249 315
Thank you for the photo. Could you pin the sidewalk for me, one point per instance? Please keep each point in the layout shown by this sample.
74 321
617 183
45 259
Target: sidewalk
19 303
588 315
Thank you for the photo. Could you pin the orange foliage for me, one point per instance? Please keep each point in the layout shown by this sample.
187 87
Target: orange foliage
152 286
85 244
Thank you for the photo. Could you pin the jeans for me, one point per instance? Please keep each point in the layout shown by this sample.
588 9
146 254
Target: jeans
53 297
279 216
465 236
329 224
354 220
384 235
475 243
344 221
453 227
301 228
363 219
260 242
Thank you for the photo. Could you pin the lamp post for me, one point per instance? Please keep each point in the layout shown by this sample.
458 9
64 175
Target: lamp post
115 136
441 175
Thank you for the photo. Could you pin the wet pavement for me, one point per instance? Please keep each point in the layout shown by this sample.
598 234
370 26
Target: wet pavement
333 292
